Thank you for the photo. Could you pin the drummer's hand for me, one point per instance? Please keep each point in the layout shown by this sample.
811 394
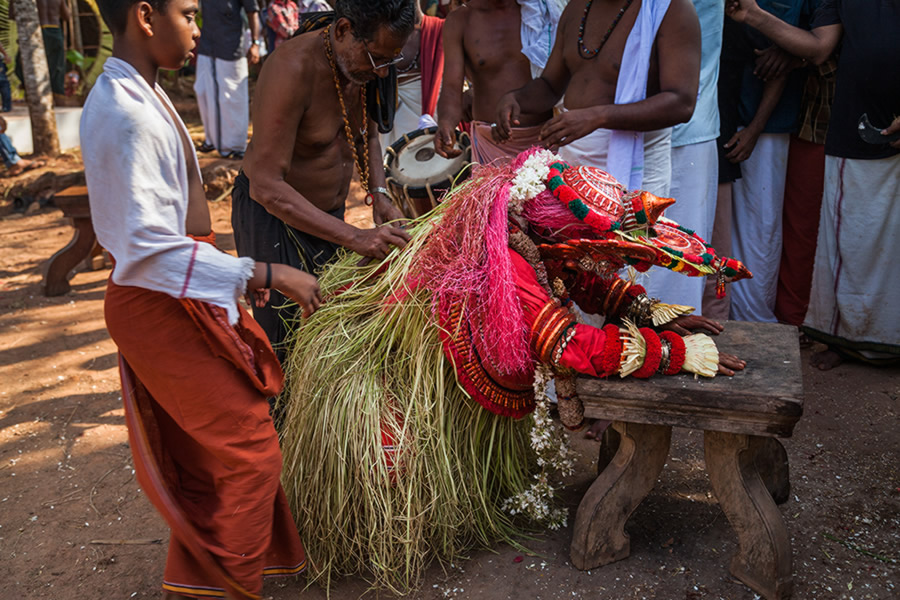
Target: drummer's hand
566 127
507 117
384 211
377 242
445 141
729 363
685 324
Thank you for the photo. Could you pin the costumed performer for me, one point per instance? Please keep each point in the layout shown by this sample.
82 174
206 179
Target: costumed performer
196 369
403 426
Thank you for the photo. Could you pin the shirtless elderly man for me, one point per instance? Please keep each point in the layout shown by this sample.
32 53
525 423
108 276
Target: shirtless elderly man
482 40
310 131
609 93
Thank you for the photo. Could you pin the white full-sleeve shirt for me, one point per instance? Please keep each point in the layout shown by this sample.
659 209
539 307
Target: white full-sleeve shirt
137 179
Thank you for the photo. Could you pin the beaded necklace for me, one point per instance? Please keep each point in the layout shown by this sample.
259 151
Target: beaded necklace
362 169
583 51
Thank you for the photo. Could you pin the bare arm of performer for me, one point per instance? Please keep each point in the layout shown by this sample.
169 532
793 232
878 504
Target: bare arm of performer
279 109
383 210
678 51
539 95
743 142
816 45
450 102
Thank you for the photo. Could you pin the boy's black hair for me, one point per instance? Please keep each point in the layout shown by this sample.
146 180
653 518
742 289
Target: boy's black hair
115 12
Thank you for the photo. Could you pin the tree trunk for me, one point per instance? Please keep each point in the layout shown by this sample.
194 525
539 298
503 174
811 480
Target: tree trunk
38 94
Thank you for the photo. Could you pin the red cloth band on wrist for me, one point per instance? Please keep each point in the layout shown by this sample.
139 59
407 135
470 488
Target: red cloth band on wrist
612 351
653 356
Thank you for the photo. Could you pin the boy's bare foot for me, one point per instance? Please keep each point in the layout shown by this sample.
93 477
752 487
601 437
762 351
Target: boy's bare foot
826 360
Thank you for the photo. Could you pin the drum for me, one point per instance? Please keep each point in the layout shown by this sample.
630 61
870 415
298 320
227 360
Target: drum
417 176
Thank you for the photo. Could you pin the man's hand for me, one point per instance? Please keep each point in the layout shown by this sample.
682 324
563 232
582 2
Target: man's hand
742 144
893 128
384 211
568 126
377 243
772 62
253 53
687 324
445 141
507 117
739 10
729 363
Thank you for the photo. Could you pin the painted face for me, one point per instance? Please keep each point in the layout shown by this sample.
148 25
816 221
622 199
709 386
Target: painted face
175 33
366 60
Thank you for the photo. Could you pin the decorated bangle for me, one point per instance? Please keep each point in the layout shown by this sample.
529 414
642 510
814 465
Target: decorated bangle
556 325
380 190
653 355
561 344
666 353
676 352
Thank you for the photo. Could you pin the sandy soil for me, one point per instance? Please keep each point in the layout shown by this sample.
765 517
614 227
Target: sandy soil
74 523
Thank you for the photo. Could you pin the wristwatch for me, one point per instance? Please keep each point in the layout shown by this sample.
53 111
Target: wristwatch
257 42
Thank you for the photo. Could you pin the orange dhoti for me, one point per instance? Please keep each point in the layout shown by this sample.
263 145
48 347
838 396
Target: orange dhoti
205 448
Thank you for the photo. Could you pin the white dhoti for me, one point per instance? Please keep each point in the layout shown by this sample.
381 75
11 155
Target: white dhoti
695 178
758 202
593 150
409 109
856 281
224 103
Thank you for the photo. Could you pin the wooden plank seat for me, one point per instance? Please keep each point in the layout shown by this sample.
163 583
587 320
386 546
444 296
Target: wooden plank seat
73 201
741 416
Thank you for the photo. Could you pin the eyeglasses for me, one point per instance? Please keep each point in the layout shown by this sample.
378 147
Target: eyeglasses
389 63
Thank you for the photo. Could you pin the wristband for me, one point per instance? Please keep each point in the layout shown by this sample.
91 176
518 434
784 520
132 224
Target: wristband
380 190
268 276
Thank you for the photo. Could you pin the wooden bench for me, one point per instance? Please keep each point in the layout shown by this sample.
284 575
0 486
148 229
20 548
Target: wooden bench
741 417
83 246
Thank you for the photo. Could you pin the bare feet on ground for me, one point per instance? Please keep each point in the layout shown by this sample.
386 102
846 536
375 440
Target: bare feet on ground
826 360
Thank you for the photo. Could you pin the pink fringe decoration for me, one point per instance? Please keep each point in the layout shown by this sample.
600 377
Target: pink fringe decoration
466 260
550 215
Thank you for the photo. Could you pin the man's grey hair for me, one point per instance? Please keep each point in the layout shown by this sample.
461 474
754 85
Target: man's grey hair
367 16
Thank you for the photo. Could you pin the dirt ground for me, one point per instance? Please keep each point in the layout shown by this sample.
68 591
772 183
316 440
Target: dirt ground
74 523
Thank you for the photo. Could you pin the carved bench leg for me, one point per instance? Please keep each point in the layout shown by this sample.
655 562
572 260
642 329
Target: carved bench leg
764 559
772 465
599 535
56 282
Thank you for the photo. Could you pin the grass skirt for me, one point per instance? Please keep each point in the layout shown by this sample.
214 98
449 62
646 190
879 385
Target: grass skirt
388 464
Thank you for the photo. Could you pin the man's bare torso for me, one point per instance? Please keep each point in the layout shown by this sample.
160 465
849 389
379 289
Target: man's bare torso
593 81
321 163
494 60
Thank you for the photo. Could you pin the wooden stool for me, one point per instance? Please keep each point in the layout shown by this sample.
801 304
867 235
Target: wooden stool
73 202
741 417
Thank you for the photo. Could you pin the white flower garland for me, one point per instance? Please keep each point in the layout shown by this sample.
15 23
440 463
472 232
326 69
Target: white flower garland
530 178
551 446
